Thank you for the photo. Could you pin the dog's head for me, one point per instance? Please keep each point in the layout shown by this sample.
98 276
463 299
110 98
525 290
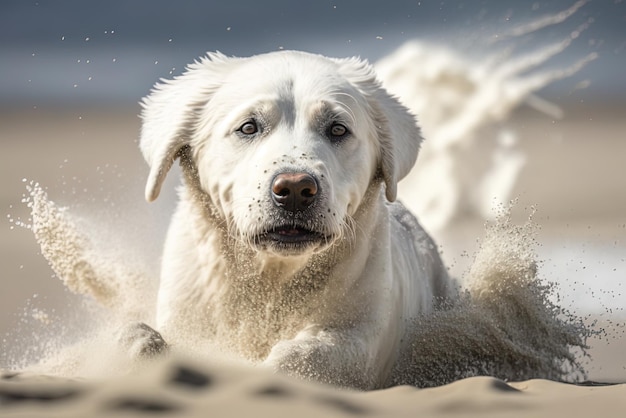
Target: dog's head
285 144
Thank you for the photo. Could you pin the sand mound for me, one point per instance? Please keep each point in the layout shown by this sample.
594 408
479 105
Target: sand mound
180 387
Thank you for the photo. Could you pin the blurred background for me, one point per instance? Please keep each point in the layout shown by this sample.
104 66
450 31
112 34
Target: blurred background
72 73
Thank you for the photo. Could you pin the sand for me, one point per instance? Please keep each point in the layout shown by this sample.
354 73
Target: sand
180 387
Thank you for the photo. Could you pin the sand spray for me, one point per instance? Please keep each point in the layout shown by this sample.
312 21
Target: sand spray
504 325
471 160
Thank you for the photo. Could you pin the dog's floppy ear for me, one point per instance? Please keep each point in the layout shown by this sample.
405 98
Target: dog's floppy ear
170 113
398 133
400 139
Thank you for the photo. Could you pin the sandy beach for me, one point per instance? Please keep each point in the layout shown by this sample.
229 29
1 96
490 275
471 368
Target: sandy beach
576 184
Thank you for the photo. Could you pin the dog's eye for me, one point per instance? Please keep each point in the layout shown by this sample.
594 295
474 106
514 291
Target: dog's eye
249 128
337 131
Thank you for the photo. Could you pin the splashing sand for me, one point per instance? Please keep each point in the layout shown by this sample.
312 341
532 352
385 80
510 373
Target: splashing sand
68 251
505 324
471 161
116 288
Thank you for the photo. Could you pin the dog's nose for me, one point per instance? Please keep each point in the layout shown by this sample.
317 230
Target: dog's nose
294 191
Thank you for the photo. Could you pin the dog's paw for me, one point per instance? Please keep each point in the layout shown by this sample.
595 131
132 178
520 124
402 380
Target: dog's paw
141 341
321 361
299 359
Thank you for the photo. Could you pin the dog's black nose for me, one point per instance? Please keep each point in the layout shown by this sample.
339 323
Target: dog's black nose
294 191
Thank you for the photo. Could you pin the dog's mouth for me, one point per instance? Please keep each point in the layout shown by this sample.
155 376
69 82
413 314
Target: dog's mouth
289 233
291 238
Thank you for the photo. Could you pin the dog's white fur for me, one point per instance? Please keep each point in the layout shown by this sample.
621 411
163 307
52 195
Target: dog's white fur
337 310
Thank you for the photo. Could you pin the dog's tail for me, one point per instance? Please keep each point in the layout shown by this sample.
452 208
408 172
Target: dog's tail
72 256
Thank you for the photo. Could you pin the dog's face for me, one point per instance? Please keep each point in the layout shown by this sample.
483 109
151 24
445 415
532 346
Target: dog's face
286 153
285 144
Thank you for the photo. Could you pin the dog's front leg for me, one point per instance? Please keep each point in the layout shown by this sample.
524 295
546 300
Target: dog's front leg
337 357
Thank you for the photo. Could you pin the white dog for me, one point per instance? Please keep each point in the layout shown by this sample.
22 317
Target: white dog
287 247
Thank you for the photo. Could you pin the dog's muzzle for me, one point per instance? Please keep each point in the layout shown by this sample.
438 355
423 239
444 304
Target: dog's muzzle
293 195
